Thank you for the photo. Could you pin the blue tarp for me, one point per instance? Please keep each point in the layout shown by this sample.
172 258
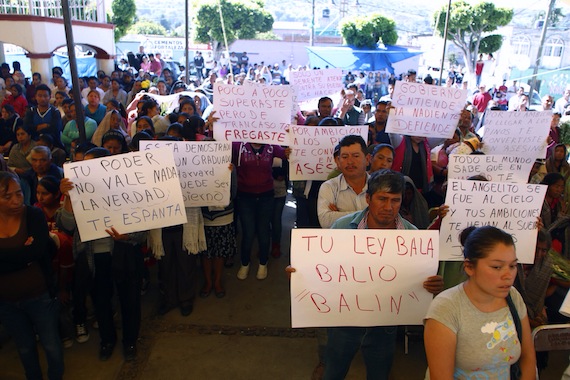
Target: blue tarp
351 58
86 66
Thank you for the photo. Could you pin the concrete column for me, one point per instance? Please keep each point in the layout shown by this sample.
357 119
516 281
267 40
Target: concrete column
41 63
105 62
107 65
2 56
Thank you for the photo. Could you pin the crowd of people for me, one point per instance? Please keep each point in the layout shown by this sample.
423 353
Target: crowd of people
387 181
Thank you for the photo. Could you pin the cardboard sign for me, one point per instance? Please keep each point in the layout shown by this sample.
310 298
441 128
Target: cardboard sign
313 147
203 170
310 84
517 133
361 277
132 192
512 207
497 168
253 113
425 110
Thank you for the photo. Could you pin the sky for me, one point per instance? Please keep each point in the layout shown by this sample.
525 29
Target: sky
530 4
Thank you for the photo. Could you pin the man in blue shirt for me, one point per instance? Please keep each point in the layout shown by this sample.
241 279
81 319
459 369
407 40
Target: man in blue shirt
378 344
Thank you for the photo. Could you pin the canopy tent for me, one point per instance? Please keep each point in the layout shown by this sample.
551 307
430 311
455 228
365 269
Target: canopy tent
350 58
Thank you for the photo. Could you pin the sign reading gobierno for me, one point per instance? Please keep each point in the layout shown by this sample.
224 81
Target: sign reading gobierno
425 110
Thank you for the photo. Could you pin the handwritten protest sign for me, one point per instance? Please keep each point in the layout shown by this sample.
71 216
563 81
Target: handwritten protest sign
310 84
361 277
516 133
313 147
498 168
512 207
131 192
203 170
253 113
424 110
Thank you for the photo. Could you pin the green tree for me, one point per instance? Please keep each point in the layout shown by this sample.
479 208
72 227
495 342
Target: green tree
490 43
468 24
165 23
148 27
368 31
243 19
124 13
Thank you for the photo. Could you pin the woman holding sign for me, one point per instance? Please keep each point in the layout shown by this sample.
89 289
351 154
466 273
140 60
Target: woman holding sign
113 261
470 329
27 304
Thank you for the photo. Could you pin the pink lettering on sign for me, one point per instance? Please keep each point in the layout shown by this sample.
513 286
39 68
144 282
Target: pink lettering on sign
356 303
321 243
415 247
385 273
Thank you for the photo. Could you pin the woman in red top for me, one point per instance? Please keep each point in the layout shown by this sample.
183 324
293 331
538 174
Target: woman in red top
16 100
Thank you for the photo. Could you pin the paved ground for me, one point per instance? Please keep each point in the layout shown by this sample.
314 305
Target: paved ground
245 335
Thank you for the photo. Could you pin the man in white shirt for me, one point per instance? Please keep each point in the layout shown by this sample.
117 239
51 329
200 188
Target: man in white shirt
346 193
92 84
560 105
341 196
516 100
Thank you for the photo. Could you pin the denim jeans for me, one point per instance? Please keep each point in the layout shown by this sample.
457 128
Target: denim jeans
276 223
23 320
255 214
378 345
122 269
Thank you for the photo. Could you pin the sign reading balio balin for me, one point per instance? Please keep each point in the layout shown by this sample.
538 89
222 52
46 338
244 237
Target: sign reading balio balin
362 277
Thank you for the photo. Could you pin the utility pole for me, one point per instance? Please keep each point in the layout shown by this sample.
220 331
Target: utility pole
312 41
540 46
444 42
186 35
80 116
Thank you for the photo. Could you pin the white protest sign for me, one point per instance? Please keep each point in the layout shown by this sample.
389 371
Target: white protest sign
425 110
310 84
313 147
203 170
512 207
253 113
362 277
498 168
517 133
131 192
